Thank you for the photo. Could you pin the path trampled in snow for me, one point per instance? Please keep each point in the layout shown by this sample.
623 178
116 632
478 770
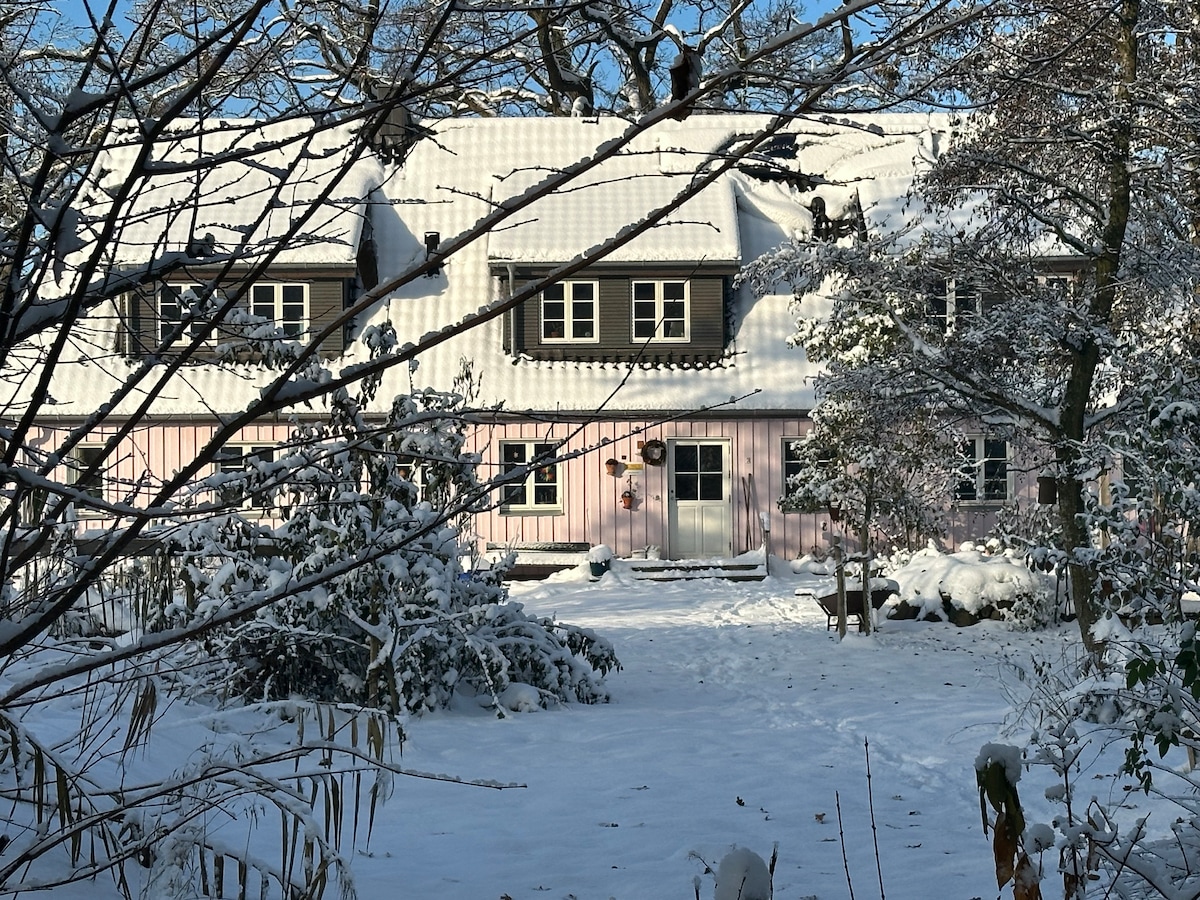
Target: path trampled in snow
736 720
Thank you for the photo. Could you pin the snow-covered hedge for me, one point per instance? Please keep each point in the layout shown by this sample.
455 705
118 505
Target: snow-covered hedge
985 586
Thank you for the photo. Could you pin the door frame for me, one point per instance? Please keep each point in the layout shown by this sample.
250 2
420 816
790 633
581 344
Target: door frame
725 505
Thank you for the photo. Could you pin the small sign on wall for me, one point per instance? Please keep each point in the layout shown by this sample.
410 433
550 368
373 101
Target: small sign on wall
634 467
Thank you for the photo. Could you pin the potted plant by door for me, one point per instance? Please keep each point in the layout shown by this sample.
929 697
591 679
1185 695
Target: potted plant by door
599 560
611 466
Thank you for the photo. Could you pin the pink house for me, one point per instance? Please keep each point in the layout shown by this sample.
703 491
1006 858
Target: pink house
652 357
649 401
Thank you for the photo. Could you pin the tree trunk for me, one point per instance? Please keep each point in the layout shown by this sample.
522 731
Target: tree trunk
1087 356
864 549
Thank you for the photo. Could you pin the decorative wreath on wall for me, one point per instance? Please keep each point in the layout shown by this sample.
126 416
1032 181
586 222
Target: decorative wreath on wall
654 453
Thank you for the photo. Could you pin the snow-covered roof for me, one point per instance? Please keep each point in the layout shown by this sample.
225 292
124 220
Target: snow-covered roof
265 179
454 178
601 201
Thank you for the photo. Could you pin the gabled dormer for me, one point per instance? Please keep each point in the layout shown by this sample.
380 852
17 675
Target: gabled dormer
654 314
662 298
297 301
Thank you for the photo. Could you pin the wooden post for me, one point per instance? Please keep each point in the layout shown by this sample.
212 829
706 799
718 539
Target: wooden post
865 553
840 558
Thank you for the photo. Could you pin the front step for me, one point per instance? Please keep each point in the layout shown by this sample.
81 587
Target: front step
676 570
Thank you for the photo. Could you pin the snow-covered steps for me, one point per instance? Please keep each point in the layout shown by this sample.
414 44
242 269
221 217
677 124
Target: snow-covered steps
682 570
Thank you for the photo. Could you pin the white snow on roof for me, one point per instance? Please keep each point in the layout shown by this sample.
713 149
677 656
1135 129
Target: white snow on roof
600 202
453 179
265 179
450 182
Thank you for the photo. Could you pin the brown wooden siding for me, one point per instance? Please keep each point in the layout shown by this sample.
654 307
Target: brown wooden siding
328 294
706 292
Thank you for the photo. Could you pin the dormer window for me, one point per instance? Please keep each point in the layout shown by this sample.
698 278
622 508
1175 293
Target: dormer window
570 312
660 311
175 301
284 304
952 303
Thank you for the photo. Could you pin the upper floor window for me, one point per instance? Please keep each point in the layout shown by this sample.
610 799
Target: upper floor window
175 303
570 312
540 490
660 311
985 475
952 303
284 304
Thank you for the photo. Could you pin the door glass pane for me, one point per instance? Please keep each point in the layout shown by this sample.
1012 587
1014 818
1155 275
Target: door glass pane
686 486
686 458
711 487
710 458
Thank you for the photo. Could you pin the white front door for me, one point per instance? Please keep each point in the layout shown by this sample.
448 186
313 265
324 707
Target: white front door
700 508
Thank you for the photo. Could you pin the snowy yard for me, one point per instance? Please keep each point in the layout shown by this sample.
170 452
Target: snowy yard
738 719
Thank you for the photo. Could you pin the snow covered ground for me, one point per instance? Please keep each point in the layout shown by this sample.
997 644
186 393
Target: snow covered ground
738 719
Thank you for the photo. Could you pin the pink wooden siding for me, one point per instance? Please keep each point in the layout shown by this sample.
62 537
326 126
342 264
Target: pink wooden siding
150 455
591 509
592 512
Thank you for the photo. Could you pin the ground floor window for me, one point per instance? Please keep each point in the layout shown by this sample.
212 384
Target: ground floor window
82 458
985 475
541 489
791 462
236 461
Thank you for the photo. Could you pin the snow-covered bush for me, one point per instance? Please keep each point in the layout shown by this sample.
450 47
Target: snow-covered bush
382 613
977 583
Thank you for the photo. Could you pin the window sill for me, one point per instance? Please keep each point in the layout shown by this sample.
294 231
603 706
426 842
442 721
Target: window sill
531 511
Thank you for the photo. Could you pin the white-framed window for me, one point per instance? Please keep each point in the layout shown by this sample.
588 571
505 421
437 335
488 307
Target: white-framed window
571 312
792 459
951 303
661 311
238 460
174 301
284 304
985 471
82 457
1060 287
541 488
